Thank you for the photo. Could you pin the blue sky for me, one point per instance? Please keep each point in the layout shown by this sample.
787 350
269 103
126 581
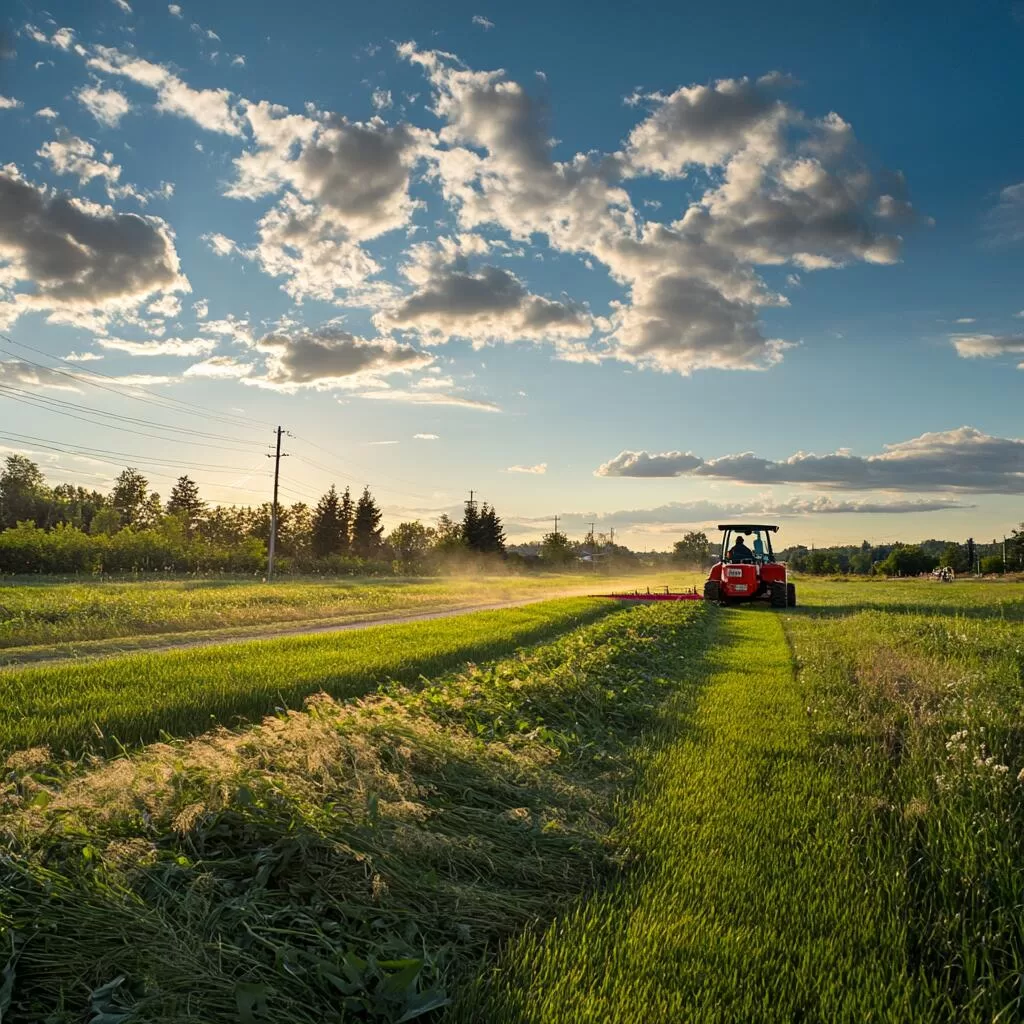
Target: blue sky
679 263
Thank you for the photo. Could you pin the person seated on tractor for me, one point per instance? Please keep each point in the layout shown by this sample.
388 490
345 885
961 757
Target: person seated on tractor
740 552
758 548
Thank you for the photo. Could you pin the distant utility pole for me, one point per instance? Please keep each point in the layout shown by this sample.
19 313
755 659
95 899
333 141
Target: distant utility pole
556 526
276 456
592 525
611 538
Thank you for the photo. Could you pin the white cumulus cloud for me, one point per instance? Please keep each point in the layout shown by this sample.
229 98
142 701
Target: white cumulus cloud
108 106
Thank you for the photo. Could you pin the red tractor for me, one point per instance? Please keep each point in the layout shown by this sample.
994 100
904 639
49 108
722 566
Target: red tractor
749 572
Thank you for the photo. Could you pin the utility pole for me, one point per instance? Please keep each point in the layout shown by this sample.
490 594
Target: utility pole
273 507
592 525
611 538
556 526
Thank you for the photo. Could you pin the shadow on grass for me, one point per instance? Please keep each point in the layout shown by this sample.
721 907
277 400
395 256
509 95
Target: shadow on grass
434 836
46 718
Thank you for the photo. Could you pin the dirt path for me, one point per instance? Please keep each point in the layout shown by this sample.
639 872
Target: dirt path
115 646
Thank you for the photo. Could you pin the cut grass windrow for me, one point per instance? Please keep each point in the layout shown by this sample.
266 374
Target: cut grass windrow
747 902
99 706
352 862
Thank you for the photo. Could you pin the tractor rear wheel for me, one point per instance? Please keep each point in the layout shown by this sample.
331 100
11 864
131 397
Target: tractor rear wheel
712 591
791 595
778 595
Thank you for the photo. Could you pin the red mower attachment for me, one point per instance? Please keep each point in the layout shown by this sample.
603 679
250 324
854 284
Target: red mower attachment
658 595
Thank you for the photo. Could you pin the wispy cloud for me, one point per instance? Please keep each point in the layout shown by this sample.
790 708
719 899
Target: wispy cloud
430 398
539 470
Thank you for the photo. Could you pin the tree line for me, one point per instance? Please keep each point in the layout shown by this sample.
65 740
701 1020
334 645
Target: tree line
867 559
72 529
900 559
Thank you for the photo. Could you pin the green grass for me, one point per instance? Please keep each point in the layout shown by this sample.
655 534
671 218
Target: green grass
137 698
349 863
668 814
917 710
59 614
837 834
746 901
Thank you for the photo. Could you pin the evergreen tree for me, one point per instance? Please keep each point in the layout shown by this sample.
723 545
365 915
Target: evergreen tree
186 503
345 516
326 526
471 532
128 498
492 533
366 529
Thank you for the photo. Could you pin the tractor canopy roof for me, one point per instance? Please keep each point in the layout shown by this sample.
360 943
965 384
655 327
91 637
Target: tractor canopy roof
749 528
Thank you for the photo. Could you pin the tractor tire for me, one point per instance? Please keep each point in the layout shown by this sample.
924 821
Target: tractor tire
713 591
791 595
778 595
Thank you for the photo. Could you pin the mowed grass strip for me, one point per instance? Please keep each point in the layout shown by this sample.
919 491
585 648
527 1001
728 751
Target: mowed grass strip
99 706
78 615
747 901
352 862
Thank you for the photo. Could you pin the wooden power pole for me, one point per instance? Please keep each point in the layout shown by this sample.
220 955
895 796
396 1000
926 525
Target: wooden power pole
273 506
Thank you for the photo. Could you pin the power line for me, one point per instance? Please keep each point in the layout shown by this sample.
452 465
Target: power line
160 399
163 476
229 418
52 404
140 459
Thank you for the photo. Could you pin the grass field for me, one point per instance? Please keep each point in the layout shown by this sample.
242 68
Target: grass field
347 863
660 814
66 616
105 704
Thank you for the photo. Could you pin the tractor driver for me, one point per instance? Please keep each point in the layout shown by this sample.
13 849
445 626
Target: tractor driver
740 552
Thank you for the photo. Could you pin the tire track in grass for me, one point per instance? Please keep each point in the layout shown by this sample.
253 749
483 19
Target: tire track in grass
746 903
